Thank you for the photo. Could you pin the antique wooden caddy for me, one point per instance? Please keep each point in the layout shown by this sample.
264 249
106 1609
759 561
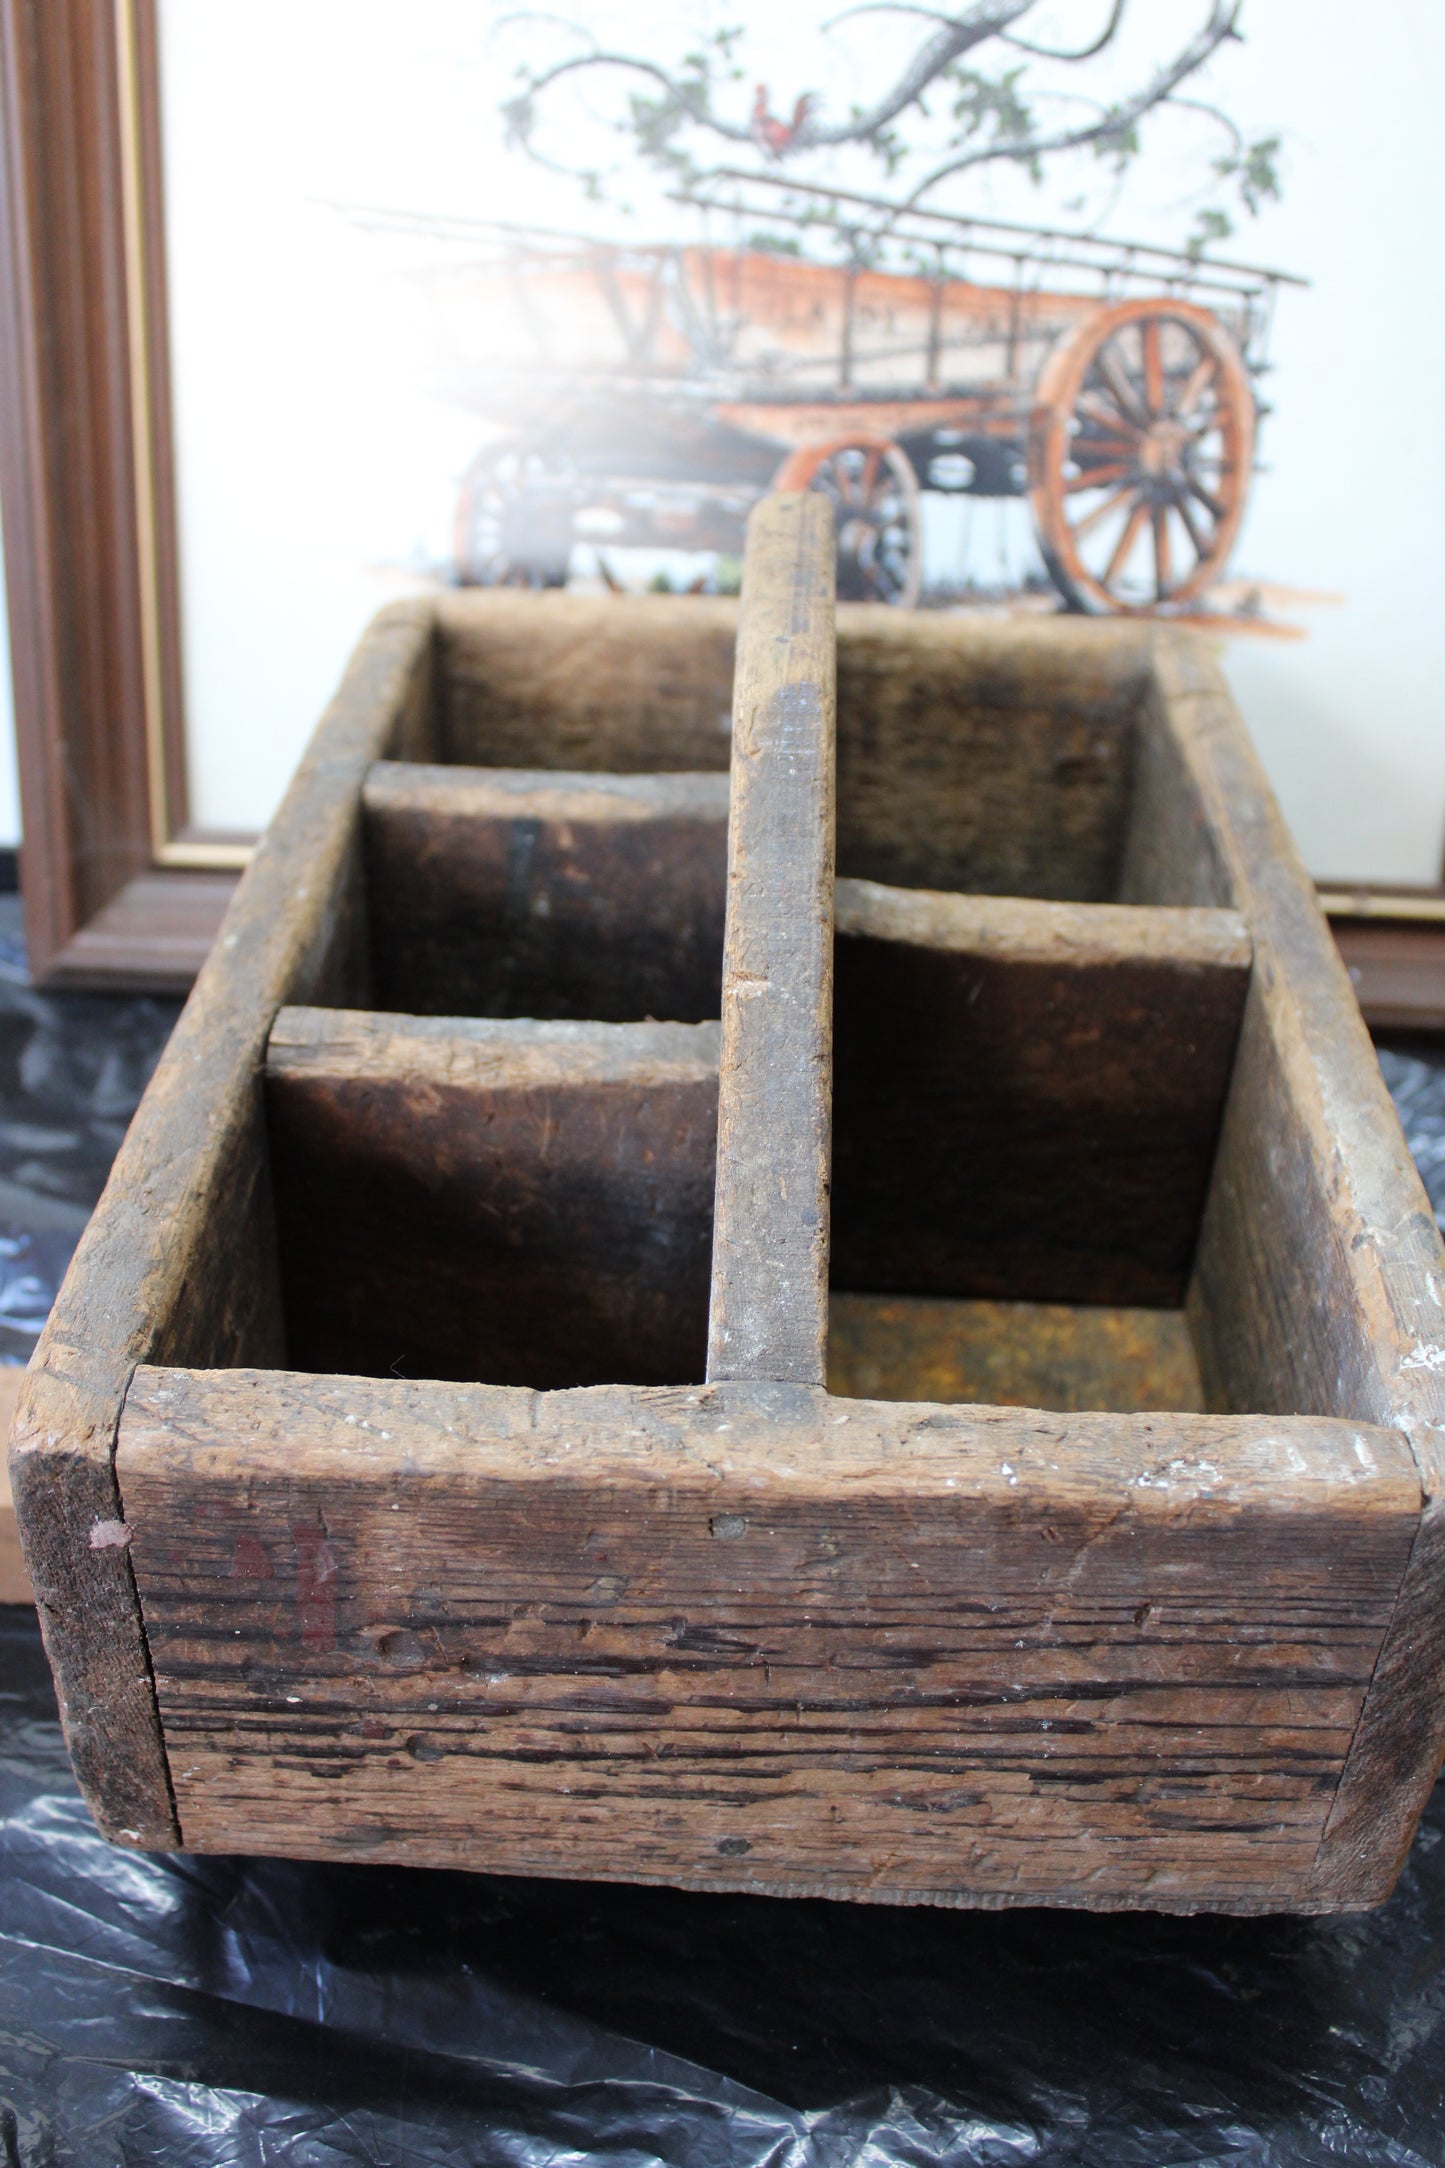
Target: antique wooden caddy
459 1441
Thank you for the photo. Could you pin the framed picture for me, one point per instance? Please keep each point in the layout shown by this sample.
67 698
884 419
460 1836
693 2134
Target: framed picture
205 490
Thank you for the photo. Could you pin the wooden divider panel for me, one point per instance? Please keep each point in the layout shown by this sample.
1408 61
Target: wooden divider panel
526 1203
769 1310
1320 1282
985 755
529 892
631 684
1027 1096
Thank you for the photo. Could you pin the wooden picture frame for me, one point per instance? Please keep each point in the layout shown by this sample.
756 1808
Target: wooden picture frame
1392 939
119 888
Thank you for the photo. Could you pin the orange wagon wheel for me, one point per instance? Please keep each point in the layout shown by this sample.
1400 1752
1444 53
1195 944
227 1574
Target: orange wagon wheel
1140 456
875 499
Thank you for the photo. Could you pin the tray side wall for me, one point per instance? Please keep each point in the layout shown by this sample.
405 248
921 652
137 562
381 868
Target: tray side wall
179 1258
1320 1276
882 1651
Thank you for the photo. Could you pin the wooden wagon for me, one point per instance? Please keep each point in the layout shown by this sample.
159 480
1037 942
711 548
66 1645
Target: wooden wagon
651 394
470 1433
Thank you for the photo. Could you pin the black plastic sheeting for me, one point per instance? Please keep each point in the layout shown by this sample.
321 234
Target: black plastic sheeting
72 1069
198 2011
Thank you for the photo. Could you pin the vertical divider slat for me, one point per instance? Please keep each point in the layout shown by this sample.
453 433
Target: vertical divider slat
768 1317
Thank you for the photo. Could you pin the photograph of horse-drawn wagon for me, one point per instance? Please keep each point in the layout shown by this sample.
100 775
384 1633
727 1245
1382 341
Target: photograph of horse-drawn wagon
647 395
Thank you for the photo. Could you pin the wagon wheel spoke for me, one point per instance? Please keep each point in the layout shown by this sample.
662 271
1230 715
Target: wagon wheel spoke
1098 478
1199 379
1211 504
1191 525
838 481
869 483
1125 544
1109 422
1101 512
1120 384
1163 561
1153 366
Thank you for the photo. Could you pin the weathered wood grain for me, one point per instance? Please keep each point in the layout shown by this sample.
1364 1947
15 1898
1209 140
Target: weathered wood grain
516 892
768 1316
972 754
1011 1354
986 755
528 1203
1027 1095
1320 1282
754 1637
635 684
14 1580
178 1262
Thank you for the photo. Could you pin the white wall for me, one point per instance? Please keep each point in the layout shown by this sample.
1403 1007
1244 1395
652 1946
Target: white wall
316 477
1351 720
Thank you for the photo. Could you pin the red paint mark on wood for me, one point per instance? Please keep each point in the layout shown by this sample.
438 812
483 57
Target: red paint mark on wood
315 1585
249 1561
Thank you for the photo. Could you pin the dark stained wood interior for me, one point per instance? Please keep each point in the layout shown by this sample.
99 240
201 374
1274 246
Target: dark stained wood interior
515 892
522 1203
1027 1095
972 754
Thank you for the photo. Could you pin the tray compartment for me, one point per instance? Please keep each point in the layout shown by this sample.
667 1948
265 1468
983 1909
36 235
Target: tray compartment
525 1203
1027 1096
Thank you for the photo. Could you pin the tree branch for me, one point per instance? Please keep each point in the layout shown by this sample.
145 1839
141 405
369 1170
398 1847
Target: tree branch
694 105
1022 150
1085 52
686 97
958 34
1210 112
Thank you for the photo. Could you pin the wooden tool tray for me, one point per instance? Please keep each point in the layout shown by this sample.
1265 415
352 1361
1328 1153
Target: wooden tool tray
464 1438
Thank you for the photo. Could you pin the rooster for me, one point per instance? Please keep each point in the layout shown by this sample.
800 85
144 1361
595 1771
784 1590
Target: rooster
771 134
